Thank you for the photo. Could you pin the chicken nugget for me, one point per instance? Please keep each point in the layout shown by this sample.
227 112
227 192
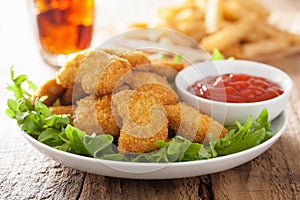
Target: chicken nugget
192 124
50 89
94 115
137 79
135 58
120 103
143 121
72 95
167 68
105 116
163 95
138 144
67 74
59 110
100 72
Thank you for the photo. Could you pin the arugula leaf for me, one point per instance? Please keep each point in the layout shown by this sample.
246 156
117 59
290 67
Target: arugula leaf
177 150
245 136
217 55
178 58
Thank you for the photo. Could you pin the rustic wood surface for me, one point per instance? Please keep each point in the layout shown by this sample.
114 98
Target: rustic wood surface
27 174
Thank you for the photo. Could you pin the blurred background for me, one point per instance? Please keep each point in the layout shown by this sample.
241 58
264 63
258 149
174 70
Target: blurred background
18 43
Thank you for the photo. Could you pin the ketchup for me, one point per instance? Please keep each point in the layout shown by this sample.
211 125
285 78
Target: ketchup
235 88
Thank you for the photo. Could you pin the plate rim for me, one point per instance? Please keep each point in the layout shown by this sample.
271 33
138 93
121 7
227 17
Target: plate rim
41 147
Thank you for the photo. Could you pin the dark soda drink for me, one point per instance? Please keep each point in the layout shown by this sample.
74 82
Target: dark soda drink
64 26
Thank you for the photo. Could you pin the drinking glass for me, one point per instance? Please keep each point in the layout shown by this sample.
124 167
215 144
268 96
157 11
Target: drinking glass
63 27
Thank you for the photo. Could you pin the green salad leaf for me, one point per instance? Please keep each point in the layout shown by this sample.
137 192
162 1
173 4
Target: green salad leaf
56 131
178 58
246 136
217 55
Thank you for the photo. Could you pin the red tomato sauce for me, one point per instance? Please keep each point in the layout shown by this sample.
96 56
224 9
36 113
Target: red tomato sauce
235 88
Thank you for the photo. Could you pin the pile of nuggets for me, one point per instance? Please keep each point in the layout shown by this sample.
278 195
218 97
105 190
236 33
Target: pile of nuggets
124 93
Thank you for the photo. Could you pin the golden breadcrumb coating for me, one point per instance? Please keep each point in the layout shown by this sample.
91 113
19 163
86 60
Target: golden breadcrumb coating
85 116
191 123
163 95
166 68
143 117
67 74
105 116
72 95
128 143
178 66
94 115
59 110
135 58
50 89
100 72
137 79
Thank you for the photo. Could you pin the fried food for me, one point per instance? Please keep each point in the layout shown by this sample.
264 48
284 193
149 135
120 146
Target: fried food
143 121
163 95
229 35
108 64
135 58
94 115
230 26
137 79
100 72
72 95
192 124
143 117
105 94
59 110
166 68
67 74
51 89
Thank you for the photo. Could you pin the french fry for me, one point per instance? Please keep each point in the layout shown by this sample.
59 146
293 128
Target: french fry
213 16
229 35
232 10
267 46
236 50
254 6
238 28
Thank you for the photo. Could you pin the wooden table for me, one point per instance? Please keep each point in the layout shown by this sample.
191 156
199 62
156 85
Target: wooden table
27 174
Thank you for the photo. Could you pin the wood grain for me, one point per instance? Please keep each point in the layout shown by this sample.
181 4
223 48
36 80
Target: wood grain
27 174
115 188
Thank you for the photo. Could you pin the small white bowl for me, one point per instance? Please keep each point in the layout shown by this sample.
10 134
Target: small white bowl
228 113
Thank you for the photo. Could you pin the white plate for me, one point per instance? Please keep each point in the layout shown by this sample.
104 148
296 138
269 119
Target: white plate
160 170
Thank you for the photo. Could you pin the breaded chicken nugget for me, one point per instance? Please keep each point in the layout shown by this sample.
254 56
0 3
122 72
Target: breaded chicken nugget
100 72
178 66
67 74
85 116
137 79
143 121
163 95
51 89
166 68
137 144
191 123
135 58
59 110
72 95
94 115
120 103
105 116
